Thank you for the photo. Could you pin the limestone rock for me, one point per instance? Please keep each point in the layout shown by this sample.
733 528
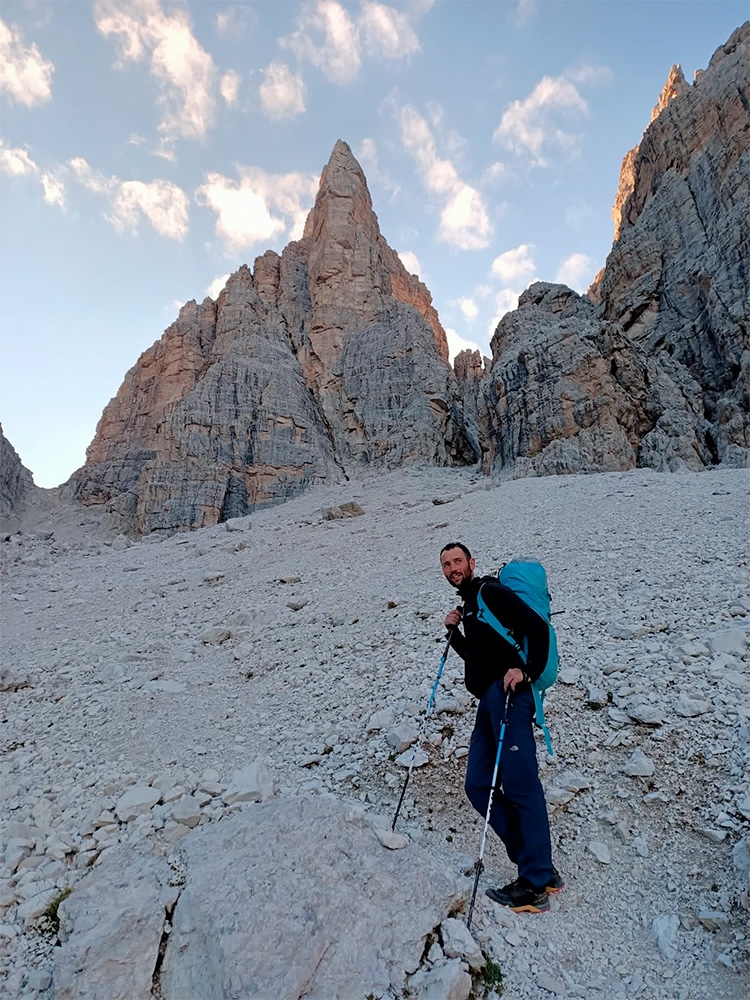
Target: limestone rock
294 897
111 926
558 397
458 943
639 765
664 934
16 484
446 980
136 801
653 368
331 355
674 280
252 783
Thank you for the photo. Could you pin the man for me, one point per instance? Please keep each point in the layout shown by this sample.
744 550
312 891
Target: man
492 666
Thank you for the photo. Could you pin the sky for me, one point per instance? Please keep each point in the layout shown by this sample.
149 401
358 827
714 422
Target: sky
148 149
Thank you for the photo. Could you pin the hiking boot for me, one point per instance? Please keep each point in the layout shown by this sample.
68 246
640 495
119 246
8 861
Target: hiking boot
521 897
556 883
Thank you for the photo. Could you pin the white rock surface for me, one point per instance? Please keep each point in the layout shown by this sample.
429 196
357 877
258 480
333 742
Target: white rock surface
84 731
111 926
137 801
294 897
639 765
252 783
458 943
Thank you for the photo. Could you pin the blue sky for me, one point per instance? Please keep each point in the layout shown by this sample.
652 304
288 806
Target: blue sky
147 149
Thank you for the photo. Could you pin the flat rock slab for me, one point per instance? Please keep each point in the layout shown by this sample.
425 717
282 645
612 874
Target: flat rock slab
112 926
297 897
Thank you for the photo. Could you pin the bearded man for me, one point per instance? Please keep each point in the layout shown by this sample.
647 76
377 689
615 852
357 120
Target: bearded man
493 667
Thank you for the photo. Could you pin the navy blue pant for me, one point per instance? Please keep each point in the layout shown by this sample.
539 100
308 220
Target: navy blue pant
519 810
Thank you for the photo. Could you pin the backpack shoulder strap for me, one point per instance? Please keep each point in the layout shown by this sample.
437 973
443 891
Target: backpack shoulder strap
485 615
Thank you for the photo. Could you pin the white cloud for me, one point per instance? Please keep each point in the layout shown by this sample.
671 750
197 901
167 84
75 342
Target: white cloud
229 86
514 265
258 208
469 308
235 21
161 202
525 10
505 300
410 261
282 93
387 31
457 344
185 71
464 221
16 162
216 286
92 180
337 54
576 271
368 153
328 36
25 75
54 190
495 173
529 127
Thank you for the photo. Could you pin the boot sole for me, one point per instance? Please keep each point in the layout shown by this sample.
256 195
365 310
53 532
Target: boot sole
551 890
530 908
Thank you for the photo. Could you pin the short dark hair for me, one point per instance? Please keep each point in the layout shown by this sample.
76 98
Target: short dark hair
456 545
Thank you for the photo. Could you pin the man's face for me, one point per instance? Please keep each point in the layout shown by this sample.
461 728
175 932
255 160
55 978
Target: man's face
456 566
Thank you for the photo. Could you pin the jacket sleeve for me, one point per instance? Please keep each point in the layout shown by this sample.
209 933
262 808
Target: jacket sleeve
522 622
458 642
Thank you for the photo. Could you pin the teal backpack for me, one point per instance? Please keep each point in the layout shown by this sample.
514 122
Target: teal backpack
529 581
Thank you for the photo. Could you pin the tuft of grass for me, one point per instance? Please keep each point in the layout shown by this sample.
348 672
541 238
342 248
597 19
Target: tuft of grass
492 974
594 706
51 914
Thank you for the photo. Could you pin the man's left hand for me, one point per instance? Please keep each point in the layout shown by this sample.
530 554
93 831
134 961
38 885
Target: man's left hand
512 677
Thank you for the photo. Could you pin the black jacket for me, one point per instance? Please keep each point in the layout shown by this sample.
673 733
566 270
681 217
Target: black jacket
486 655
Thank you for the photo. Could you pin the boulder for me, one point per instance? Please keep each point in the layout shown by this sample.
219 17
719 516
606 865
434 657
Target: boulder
252 783
111 927
296 897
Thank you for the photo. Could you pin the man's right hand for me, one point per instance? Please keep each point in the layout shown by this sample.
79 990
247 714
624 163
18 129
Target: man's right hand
453 618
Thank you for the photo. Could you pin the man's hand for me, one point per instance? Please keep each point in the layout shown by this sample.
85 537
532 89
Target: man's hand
453 618
512 677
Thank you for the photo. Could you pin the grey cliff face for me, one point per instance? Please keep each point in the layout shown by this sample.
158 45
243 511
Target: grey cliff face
326 358
16 482
656 374
331 357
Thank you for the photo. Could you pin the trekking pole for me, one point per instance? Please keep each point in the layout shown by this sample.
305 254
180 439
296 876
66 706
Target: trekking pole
489 810
443 658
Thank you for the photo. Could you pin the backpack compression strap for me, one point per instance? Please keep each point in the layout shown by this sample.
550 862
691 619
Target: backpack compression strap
485 615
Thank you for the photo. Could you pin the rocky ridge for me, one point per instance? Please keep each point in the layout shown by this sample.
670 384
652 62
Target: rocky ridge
331 358
183 685
316 362
652 367
16 485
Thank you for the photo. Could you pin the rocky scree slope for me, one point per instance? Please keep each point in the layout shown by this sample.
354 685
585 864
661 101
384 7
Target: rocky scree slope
153 691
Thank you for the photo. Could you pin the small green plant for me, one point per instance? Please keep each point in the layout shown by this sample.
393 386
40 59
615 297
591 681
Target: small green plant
327 750
449 838
594 706
249 674
492 974
50 914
